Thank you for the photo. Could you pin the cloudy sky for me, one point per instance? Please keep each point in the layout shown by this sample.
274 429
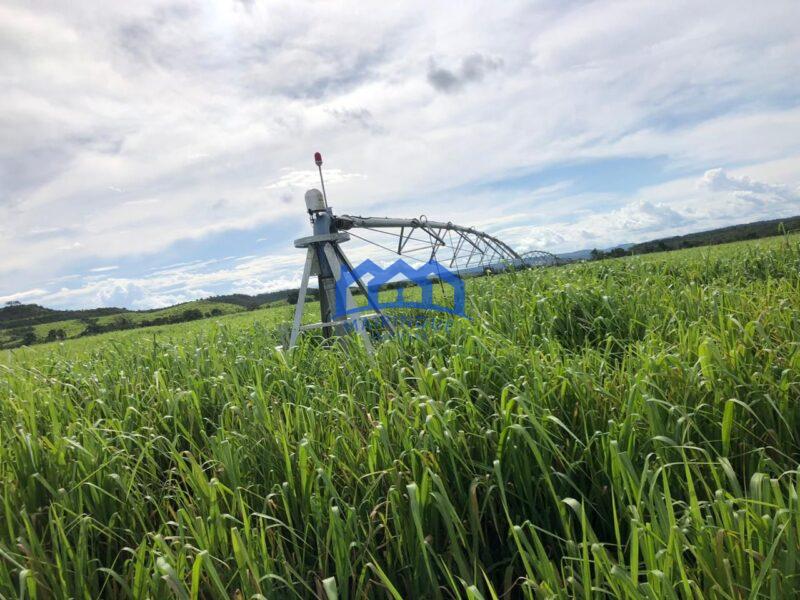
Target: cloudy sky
153 152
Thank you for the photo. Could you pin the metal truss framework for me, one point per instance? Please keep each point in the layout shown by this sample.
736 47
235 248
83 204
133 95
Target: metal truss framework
467 250
456 247
540 258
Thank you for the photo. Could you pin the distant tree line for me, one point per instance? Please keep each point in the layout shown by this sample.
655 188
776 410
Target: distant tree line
724 235
15 314
259 300
293 296
613 253
26 335
122 322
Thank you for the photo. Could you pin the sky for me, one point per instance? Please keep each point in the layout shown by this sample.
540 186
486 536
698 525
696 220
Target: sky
154 152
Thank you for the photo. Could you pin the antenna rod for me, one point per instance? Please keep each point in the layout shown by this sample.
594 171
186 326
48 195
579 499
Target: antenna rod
318 160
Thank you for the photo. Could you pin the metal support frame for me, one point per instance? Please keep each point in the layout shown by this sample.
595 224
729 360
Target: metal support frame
325 259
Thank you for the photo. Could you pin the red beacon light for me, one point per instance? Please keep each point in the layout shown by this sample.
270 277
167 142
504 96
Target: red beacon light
318 158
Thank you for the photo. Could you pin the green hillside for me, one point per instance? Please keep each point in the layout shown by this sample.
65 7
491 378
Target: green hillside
31 324
15 314
27 324
723 235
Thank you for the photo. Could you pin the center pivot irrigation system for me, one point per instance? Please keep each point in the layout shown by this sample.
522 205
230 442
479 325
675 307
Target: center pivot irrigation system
463 250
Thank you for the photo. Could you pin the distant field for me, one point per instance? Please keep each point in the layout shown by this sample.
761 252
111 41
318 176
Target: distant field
264 318
73 328
625 428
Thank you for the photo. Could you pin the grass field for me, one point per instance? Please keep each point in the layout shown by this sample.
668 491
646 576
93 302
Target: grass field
623 428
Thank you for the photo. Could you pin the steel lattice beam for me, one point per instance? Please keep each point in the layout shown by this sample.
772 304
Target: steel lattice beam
471 248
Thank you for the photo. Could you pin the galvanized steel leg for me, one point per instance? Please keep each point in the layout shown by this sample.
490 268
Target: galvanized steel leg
301 298
336 267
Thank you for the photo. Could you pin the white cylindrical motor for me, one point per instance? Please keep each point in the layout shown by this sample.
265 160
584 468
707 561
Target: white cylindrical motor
315 201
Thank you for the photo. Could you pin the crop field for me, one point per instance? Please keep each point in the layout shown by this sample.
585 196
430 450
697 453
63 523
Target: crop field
622 428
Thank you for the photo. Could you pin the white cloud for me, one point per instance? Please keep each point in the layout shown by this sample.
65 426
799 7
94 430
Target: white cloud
104 269
718 180
635 221
25 296
680 206
128 127
673 208
179 283
292 183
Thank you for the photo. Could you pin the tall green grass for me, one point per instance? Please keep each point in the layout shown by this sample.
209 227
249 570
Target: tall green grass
618 429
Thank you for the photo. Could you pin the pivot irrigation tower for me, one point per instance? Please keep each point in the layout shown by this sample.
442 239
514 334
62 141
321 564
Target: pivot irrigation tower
464 250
